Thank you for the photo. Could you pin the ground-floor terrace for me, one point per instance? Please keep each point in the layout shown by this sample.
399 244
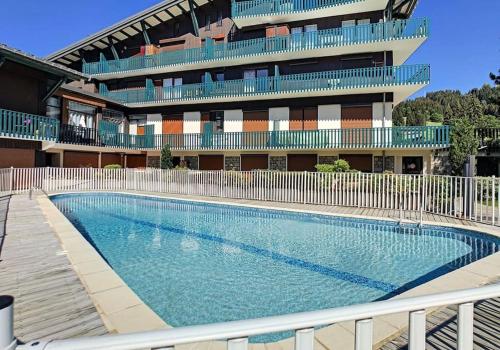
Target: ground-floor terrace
64 289
27 154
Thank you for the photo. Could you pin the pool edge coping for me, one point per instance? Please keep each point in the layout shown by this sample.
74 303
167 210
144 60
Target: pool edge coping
385 327
119 307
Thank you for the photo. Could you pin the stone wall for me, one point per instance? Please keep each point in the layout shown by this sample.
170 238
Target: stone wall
441 164
327 159
378 162
191 162
154 162
232 163
277 163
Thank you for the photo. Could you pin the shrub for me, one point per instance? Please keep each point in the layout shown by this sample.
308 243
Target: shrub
113 166
166 161
324 168
339 166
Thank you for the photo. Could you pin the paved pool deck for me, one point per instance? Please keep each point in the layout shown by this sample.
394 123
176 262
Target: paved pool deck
63 288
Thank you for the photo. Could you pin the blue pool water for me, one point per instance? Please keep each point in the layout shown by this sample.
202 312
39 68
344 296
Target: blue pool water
196 263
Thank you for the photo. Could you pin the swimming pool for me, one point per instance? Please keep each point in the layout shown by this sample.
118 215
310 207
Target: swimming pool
196 263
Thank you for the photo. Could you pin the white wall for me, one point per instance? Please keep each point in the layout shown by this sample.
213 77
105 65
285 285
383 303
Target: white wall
378 115
233 120
329 116
282 116
156 120
133 127
192 123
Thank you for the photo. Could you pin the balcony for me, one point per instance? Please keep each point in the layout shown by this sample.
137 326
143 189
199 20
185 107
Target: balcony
403 81
489 140
409 35
28 126
254 12
368 138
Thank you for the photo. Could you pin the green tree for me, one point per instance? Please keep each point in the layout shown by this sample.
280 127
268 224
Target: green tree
166 161
463 144
495 78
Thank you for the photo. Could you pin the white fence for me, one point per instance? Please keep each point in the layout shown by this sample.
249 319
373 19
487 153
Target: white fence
474 199
236 333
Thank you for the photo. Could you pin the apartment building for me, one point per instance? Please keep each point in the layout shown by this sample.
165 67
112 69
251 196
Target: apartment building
244 85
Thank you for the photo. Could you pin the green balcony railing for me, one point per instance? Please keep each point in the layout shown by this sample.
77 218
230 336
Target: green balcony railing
27 126
395 137
21 125
295 83
362 138
360 34
279 7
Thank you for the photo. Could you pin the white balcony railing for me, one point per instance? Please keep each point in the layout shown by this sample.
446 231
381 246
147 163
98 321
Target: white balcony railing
236 333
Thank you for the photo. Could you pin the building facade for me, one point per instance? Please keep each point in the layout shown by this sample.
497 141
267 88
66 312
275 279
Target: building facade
245 85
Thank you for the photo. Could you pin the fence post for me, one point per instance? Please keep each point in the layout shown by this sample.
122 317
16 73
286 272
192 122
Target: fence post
7 340
11 183
493 200
45 176
423 201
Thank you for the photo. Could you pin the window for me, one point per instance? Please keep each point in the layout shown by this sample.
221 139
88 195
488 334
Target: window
54 107
310 28
172 88
207 23
217 118
219 18
219 76
413 165
81 115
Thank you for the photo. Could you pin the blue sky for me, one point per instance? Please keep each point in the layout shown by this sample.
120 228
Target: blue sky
463 48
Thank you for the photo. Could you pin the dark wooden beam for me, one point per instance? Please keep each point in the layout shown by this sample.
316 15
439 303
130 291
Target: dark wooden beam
184 12
169 13
82 57
158 18
53 89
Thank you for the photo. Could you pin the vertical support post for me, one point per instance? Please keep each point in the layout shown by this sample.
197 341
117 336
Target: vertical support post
7 340
304 339
422 202
417 330
400 210
493 200
364 335
11 183
237 344
465 336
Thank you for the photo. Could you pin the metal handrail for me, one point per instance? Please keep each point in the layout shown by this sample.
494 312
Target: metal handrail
238 331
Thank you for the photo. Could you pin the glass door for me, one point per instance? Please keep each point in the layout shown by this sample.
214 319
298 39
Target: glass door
249 80
311 35
296 38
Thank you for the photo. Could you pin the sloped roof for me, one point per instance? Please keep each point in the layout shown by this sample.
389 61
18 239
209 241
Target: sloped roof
403 8
152 17
21 57
131 26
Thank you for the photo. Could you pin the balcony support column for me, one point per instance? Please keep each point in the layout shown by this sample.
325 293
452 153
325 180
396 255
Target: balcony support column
193 18
145 34
113 49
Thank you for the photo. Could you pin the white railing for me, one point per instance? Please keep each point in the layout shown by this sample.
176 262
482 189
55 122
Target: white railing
236 333
468 198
